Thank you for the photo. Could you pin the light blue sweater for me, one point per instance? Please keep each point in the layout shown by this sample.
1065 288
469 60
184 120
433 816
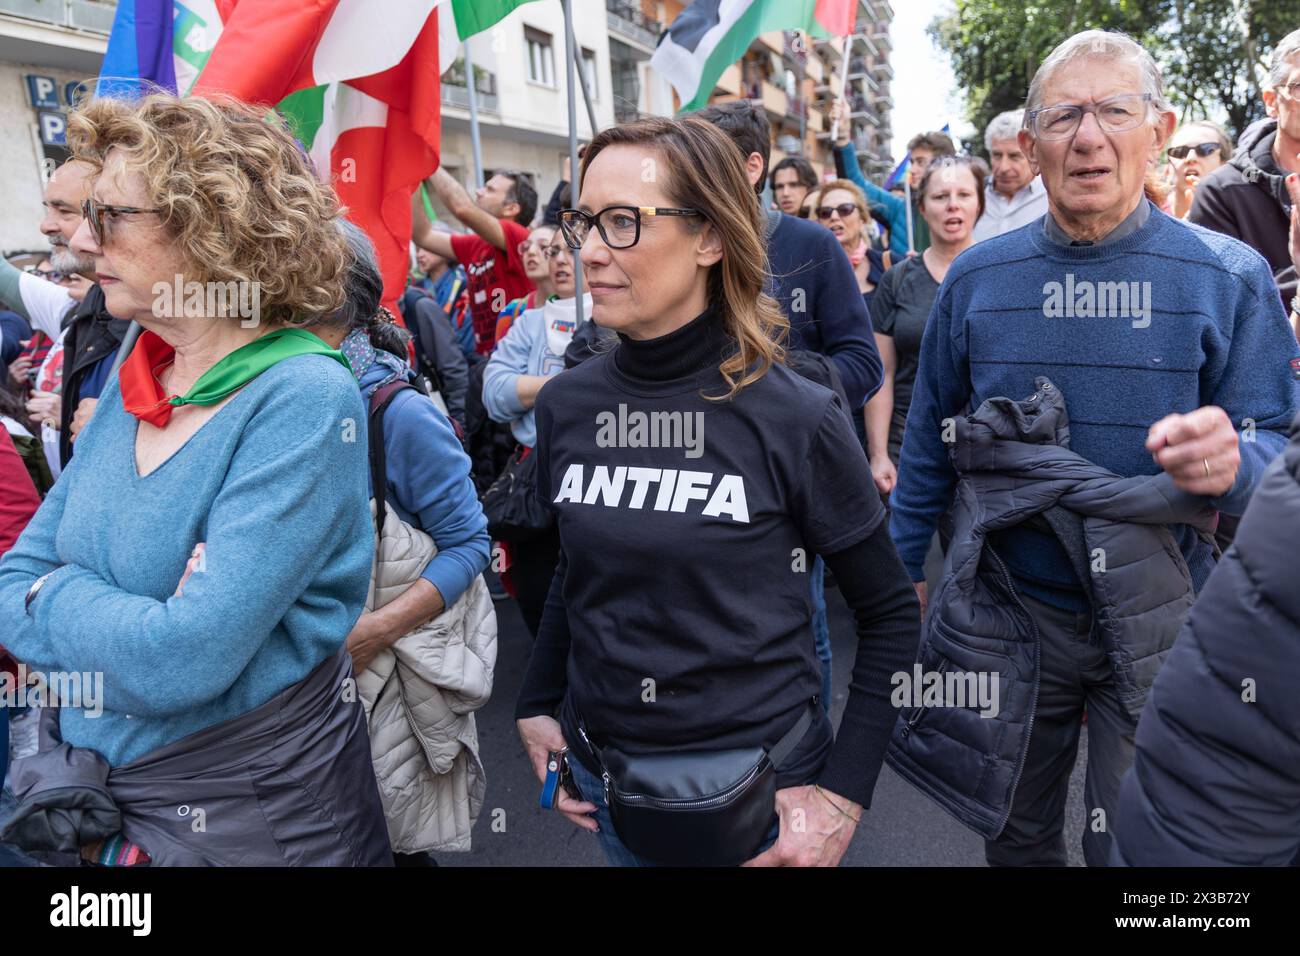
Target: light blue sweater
275 484
522 352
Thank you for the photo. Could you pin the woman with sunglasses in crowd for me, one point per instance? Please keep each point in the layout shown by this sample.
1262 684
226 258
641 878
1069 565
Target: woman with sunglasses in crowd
693 477
842 208
1194 151
532 252
951 200
215 586
531 352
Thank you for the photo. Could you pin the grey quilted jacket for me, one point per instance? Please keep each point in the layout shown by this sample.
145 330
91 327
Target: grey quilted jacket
1014 464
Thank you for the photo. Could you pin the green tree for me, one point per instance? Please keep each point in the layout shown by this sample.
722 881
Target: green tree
1212 52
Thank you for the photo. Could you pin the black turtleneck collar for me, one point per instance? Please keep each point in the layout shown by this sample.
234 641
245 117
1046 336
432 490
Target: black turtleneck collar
696 346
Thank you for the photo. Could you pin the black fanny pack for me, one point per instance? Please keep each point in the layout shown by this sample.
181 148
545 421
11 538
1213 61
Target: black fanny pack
695 808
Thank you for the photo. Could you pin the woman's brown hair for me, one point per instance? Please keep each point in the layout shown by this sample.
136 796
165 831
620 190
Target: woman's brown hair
701 169
236 192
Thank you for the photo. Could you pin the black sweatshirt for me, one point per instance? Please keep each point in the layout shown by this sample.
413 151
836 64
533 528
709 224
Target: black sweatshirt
680 614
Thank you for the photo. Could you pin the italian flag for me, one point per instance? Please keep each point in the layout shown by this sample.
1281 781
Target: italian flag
358 82
710 35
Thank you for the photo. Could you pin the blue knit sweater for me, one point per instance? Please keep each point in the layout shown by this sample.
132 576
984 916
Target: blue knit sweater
275 484
1204 328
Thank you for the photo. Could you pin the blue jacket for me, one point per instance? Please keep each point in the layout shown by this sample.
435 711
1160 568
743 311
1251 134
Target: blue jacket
429 485
1216 777
813 281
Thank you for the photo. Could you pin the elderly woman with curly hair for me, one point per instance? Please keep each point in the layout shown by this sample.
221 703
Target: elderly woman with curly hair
208 550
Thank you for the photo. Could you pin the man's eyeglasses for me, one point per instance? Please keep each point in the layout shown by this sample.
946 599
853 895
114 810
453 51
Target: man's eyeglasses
619 226
1292 89
1202 149
1115 115
845 209
94 214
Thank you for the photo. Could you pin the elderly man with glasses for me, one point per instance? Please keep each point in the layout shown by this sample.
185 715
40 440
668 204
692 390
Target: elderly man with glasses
1246 198
1144 370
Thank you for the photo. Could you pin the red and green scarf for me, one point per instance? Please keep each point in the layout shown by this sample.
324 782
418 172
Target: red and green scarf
142 393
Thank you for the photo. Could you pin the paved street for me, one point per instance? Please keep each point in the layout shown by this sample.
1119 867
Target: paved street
902 828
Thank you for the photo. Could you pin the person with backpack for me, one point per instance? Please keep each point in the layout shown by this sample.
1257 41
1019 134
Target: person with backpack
524 361
426 591
693 476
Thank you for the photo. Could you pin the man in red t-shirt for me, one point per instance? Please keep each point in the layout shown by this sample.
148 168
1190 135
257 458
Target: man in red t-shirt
494 268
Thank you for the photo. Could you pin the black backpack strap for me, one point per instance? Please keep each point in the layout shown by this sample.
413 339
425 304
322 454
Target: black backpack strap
380 399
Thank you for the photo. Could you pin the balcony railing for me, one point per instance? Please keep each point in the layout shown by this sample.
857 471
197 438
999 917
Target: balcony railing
883 69
87 15
627 18
459 96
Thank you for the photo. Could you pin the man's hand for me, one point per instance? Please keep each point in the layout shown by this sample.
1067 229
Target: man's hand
1198 450
369 636
840 114
20 366
824 834
44 407
884 474
85 409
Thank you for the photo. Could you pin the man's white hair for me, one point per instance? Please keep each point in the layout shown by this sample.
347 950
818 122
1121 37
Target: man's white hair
1099 45
1280 65
1003 126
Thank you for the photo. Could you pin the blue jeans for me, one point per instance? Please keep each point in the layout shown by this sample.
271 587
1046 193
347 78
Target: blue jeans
592 789
821 629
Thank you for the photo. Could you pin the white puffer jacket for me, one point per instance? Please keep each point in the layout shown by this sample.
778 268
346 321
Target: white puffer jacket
420 696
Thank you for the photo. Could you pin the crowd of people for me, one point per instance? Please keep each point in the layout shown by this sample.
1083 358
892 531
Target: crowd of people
1033 419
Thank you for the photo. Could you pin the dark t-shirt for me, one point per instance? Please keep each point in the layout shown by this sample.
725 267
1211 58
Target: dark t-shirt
900 309
493 277
687 588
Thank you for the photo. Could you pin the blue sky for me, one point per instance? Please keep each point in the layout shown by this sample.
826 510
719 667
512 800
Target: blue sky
924 90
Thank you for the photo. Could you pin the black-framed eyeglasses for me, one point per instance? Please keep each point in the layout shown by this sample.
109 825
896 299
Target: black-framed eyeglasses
1202 149
94 212
845 209
619 226
1114 115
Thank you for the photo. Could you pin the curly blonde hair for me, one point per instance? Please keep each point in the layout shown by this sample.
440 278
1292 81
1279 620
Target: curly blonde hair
236 192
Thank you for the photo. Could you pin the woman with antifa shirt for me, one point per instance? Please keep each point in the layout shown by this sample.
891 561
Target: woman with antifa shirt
530 354
951 202
677 628
214 590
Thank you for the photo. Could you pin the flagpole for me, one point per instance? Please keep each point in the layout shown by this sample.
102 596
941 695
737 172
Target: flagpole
844 80
570 53
475 145
907 190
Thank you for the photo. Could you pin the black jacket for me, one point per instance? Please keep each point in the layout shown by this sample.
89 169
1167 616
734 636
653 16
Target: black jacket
1246 198
1014 465
1216 775
92 335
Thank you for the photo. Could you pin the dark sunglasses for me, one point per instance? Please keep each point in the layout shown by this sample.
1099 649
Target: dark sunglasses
51 274
94 213
1202 149
845 209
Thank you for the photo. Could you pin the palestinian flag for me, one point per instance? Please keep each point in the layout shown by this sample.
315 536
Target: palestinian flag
710 35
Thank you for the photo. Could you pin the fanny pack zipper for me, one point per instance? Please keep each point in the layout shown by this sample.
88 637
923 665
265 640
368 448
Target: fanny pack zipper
719 799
